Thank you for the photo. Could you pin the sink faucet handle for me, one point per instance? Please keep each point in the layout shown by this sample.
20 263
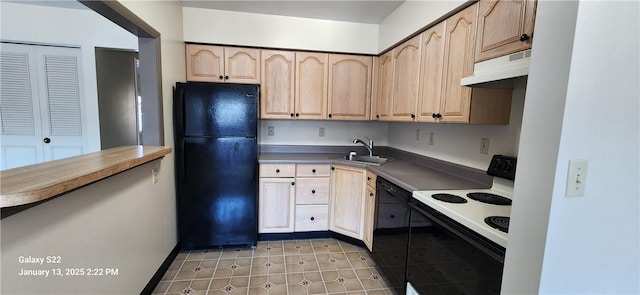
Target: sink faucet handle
370 141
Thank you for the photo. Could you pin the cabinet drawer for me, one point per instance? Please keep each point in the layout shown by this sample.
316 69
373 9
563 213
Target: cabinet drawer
312 191
371 179
277 170
312 218
313 170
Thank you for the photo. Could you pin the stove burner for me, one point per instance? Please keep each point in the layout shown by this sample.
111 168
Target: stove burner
500 223
449 198
489 198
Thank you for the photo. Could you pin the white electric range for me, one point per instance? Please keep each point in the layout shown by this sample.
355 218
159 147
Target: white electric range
485 211
472 213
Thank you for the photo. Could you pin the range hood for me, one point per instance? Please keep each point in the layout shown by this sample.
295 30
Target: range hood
505 67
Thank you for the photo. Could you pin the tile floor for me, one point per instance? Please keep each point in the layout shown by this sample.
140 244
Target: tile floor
316 266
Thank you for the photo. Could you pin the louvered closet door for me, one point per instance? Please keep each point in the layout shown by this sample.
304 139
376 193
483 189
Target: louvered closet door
60 102
19 107
40 101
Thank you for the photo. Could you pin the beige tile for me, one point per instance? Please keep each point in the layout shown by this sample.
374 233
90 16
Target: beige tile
258 291
182 255
352 285
176 264
213 254
357 293
195 255
185 275
209 263
205 273
162 287
279 290
316 288
190 265
239 291
200 284
219 283
360 260
334 287
178 286
380 292
239 282
169 275
296 289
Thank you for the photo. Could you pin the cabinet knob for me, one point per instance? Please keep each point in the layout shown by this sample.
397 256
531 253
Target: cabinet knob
297 115
293 183
312 218
413 116
524 37
368 178
277 170
370 194
313 191
226 77
333 168
221 77
329 115
313 170
378 116
433 115
46 140
291 115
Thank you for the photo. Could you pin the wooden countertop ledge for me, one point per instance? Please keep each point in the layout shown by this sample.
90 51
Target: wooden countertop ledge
34 183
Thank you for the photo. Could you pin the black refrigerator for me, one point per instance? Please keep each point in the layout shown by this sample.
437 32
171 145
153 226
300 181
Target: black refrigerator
216 154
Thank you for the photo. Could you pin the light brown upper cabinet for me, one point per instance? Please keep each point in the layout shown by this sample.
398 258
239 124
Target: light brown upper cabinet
312 74
349 87
447 56
385 86
406 74
459 45
277 84
207 63
431 73
504 27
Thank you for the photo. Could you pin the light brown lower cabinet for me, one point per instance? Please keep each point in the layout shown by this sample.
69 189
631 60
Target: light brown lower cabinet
369 212
276 205
348 189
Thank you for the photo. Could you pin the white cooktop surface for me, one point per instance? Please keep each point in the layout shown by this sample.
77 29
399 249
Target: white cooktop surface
472 213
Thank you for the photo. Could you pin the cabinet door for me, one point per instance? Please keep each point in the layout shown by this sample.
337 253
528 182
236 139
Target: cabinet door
242 65
312 74
369 211
431 73
406 72
349 87
278 69
385 86
502 26
276 205
205 63
347 201
460 39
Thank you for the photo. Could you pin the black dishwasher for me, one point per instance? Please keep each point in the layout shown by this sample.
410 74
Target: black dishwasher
391 233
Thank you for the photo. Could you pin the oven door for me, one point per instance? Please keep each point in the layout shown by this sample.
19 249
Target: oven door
447 258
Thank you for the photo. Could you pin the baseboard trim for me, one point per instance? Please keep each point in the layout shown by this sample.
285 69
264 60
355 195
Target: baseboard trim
310 235
151 285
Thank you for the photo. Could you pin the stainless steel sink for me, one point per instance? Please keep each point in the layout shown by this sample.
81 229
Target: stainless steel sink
375 160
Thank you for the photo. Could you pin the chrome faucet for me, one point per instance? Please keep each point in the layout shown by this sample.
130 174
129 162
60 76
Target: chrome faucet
369 146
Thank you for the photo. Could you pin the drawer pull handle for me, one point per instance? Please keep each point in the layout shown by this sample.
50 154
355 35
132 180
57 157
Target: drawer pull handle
293 183
313 191
368 178
277 170
312 218
313 171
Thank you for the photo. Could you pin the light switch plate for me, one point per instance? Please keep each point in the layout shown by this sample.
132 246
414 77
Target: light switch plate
577 178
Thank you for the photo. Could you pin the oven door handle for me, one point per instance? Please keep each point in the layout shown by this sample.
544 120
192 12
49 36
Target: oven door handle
485 245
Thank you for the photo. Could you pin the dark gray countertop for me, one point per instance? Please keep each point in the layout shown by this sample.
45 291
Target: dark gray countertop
401 169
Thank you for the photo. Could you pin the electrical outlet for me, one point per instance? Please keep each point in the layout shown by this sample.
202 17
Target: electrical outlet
431 138
417 134
270 131
577 178
321 132
154 175
484 146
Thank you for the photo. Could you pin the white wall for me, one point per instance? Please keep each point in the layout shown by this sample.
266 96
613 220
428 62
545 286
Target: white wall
82 28
460 143
593 242
410 17
588 244
250 29
297 132
124 221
